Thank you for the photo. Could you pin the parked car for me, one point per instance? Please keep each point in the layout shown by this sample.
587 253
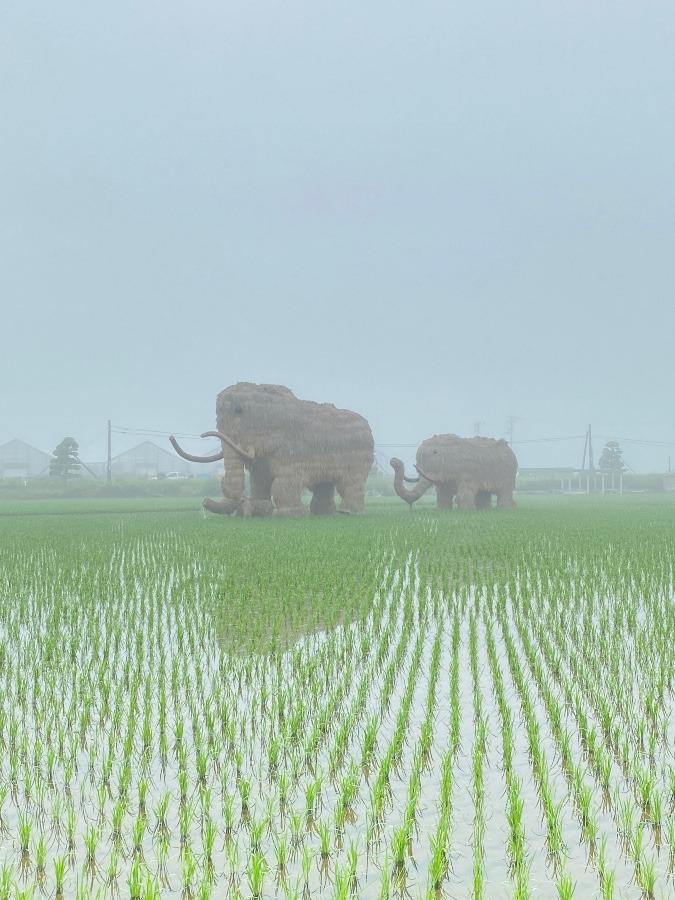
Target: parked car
176 475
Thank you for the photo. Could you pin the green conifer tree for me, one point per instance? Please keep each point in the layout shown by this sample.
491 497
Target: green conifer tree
66 463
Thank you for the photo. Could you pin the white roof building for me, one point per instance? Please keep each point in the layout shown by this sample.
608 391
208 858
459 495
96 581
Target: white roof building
20 460
149 460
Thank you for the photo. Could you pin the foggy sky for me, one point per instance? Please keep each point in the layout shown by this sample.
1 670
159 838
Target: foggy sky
432 213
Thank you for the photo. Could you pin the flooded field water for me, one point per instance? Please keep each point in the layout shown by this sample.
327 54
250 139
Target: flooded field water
427 705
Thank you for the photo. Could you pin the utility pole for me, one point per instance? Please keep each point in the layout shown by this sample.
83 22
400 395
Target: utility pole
476 426
510 422
583 461
108 470
590 450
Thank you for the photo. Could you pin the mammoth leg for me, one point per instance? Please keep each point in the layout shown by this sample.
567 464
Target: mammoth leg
352 493
484 500
232 486
445 493
323 499
505 500
466 496
261 496
286 493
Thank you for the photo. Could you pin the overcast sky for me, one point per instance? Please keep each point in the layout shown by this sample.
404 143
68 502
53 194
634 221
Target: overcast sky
433 213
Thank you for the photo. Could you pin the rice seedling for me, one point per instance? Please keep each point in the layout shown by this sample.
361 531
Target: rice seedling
185 820
135 880
637 844
189 868
233 862
91 839
244 787
296 823
25 829
399 846
554 826
312 795
256 832
369 741
647 876
323 830
438 866
342 885
6 881
565 887
281 850
161 811
210 832
112 869
656 806
306 868
60 867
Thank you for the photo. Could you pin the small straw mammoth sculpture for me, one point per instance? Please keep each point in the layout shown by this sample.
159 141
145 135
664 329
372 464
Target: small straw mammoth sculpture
467 471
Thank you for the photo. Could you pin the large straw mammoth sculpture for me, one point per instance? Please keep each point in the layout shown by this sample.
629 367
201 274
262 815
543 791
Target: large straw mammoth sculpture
287 445
468 469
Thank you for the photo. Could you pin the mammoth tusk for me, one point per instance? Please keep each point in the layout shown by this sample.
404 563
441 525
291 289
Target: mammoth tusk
214 457
247 454
426 477
410 480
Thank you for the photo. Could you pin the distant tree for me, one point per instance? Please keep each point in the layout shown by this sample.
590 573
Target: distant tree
611 458
66 463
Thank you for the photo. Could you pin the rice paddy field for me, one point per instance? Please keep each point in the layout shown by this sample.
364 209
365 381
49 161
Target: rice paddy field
406 704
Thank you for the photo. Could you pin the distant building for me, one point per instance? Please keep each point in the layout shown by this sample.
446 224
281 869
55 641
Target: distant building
585 481
537 478
20 460
669 482
93 470
147 460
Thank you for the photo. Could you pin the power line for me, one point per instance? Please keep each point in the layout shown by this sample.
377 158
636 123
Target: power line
606 437
121 429
574 437
93 440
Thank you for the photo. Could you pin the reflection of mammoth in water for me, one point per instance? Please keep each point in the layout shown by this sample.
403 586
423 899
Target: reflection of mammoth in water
470 469
287 445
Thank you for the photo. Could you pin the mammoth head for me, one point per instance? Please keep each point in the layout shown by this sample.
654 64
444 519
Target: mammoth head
431 461
246 411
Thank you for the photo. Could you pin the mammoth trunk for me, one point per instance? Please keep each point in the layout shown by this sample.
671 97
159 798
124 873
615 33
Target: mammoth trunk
420 488
232 484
